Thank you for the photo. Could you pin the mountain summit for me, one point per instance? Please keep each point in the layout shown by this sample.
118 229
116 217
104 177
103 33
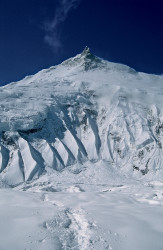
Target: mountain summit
84 110
86 51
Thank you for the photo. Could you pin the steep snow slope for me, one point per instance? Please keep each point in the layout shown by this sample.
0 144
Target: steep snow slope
85 109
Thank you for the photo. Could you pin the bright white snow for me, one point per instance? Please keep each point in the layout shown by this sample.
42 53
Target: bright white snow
81 161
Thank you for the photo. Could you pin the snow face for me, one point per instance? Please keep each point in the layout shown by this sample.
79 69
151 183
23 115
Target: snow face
81 147
85 109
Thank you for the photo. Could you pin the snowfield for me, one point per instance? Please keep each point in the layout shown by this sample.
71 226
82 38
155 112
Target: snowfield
81 158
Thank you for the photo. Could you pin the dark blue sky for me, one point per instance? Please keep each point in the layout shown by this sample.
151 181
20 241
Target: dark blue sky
36 34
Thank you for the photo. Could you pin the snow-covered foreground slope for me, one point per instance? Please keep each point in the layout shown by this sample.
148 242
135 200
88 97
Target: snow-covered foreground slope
81 146
117 217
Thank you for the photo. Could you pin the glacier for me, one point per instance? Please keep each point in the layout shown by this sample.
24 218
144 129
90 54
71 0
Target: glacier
85 109
82 141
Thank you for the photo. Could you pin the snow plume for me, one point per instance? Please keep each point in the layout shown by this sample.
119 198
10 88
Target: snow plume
53 28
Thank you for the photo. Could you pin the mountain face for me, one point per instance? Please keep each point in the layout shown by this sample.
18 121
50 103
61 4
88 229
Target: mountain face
83 110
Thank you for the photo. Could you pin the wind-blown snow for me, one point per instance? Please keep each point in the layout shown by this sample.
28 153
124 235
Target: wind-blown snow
91 127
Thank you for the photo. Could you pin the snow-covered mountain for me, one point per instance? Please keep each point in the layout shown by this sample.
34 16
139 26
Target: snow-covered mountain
85 110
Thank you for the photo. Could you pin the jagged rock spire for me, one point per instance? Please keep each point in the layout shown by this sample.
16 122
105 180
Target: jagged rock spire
86 51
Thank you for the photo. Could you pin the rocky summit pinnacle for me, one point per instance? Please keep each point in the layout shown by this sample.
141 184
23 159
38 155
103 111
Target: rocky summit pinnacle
86 51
